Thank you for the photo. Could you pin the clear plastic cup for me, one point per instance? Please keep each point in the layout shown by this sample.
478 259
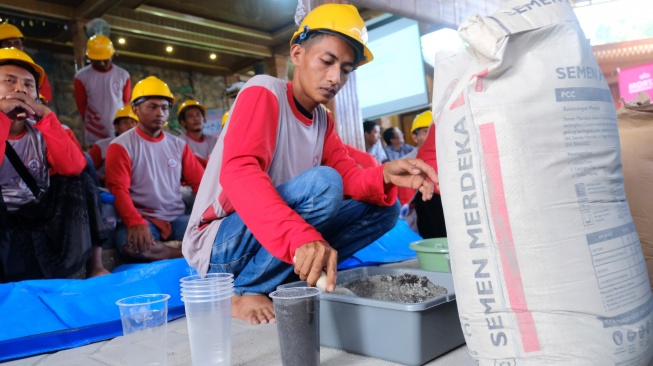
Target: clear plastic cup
192 298
144 326
297 311
207 301
204 281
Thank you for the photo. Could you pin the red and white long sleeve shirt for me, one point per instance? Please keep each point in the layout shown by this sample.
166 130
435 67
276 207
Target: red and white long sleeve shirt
98 96
144 175
45 149
266 142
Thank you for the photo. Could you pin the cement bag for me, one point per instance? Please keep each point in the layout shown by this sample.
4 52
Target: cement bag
636 135
547 265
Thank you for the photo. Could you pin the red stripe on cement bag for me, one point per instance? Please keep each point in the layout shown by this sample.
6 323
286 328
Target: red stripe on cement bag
547 264
505 243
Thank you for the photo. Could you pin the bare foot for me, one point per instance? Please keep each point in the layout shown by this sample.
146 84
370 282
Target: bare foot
96 272
255 309
94 266
158 251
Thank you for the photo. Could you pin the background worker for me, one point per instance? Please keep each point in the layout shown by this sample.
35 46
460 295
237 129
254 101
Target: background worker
123 121
395 146
271 200
372 133
144 168
420 127
430 214
11 36
101 88
418 131
49 217
192 116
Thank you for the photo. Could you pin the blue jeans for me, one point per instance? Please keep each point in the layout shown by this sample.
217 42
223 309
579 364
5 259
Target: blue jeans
178 229
316 195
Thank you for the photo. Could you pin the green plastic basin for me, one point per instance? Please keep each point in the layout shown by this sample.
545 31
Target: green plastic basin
432 254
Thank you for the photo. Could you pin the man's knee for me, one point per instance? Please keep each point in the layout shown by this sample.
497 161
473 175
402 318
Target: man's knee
327 175
327 187
391 214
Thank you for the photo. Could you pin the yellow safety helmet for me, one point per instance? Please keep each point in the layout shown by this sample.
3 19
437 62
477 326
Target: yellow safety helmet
125 112
190 103
342 19
99 48
422 120
8 31
225 116
14 54
152 86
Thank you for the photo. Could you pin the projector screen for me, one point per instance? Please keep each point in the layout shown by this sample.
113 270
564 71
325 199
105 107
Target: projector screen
395 81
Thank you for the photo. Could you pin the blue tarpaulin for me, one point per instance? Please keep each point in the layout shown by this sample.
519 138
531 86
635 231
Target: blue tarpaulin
390 248
40 316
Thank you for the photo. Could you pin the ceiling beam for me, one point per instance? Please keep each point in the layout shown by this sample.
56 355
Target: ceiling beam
64 48
195 39
130 21
95 8
174 61
281 39
41 8
169 14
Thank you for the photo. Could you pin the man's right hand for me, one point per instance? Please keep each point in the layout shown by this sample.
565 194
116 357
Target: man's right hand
13 108
314 257
139 238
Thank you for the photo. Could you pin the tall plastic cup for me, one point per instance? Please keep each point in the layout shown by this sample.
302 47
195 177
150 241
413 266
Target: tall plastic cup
144 326
297 311
201 281
207 301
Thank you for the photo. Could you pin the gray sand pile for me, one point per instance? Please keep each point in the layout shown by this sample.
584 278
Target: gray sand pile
406 288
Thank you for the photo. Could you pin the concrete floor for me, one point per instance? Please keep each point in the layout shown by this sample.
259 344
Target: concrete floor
251 345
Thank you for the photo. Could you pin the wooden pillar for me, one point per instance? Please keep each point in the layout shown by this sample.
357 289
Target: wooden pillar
276 66
76 28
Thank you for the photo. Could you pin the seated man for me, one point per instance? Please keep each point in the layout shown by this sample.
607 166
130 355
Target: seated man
395 147
192 115
49 218
144 168
123 121
272 197
372 133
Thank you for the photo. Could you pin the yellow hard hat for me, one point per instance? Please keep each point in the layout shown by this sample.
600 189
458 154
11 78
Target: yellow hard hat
190 103
99 48
422 120
336 18
225 116
152 86
20 56
125 112
8 31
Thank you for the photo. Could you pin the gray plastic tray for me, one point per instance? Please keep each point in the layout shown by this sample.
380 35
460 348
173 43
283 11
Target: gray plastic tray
411 334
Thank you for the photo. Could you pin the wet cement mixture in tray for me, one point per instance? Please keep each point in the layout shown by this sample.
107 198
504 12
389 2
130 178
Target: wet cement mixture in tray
406 288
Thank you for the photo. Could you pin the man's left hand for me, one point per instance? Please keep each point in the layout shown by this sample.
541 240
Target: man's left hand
411 173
